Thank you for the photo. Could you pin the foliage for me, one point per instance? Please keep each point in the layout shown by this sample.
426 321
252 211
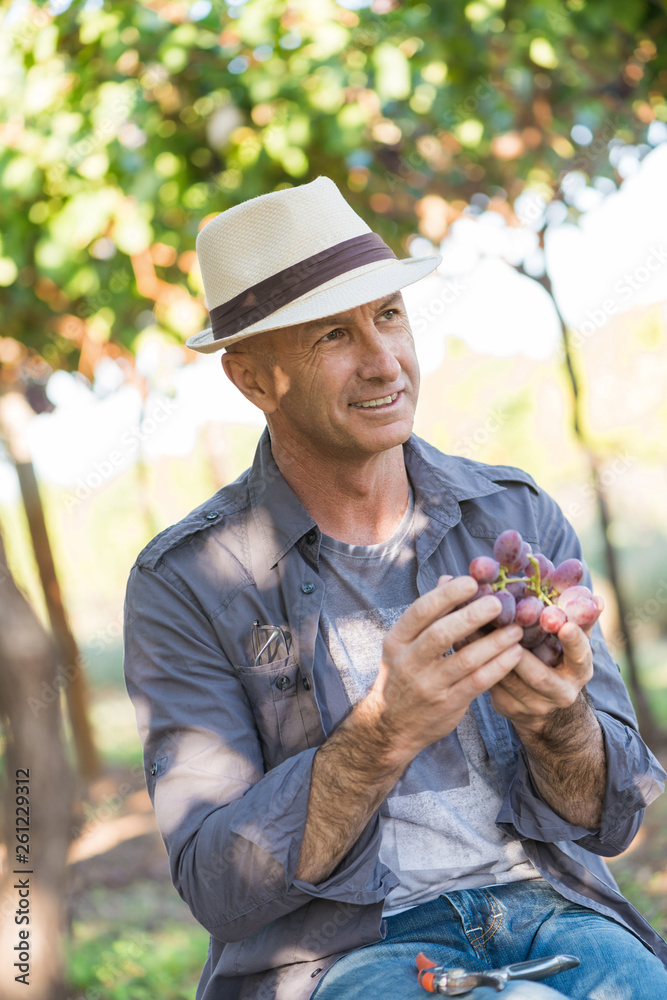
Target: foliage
121 961
136 121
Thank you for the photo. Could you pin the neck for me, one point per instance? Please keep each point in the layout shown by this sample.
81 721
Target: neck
360 502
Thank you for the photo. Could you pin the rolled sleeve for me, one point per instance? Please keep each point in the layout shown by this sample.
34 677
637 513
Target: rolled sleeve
634 780
233 832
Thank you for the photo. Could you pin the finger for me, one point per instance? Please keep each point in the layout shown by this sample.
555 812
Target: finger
433 605
485 650
599 603
576 645
533 689
540 688
437 639
489 675
511 697
531 677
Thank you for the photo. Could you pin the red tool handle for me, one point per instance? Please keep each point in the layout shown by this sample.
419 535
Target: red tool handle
425 977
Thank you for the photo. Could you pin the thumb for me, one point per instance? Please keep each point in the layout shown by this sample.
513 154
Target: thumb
576 646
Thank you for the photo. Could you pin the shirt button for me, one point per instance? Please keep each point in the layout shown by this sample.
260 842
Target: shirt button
315 973
283 682
306 683
308 588
212 515
311 537
153 768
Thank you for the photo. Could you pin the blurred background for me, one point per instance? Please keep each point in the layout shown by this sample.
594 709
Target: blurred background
527 143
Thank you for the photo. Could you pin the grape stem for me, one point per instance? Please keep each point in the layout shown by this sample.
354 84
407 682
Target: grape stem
534 582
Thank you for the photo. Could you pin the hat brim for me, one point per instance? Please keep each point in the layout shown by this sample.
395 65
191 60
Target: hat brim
354 288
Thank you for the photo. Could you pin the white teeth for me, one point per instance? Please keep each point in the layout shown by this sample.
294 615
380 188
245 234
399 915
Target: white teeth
377 402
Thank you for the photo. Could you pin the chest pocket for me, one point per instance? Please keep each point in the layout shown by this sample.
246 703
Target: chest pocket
273 693
486 517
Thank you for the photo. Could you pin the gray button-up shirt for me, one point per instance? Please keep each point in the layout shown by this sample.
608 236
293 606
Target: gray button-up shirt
229 746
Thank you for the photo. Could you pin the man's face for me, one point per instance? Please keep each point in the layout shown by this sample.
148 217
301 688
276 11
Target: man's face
322 372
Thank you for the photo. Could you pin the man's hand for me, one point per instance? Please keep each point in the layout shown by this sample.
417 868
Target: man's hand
533 691
421 694
559 731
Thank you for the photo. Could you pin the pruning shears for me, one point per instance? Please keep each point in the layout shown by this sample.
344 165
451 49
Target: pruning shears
454 982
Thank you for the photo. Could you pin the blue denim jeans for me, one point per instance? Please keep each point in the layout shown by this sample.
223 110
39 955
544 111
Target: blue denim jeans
488 928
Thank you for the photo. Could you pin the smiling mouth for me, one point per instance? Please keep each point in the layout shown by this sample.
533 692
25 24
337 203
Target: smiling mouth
373 403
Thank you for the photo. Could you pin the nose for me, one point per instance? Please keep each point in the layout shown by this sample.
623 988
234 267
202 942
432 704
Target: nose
376 358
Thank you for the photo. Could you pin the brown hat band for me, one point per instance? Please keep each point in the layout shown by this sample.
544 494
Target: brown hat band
280 289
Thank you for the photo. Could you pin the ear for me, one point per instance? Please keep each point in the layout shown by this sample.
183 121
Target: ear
251 378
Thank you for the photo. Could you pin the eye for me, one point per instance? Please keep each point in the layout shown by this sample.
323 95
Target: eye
391 313
331 336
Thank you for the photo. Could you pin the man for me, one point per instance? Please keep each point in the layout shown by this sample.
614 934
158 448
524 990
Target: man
337 788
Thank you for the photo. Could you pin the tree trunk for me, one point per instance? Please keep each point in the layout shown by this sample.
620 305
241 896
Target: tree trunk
38 792
645 718
14 421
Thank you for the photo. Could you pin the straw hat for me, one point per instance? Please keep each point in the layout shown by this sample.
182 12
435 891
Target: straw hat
289 257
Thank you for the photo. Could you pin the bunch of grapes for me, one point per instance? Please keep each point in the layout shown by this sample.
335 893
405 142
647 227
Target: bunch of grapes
533 593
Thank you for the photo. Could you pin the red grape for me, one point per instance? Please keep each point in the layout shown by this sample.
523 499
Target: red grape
528 611
517 589
552 619
579 591
548 653
567 574
519 564
532 636
506 616
523 600
484 569
507 547
526 550
579 606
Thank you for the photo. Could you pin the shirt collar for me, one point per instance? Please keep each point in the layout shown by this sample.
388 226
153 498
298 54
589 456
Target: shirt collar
442 481
439 481
279 515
